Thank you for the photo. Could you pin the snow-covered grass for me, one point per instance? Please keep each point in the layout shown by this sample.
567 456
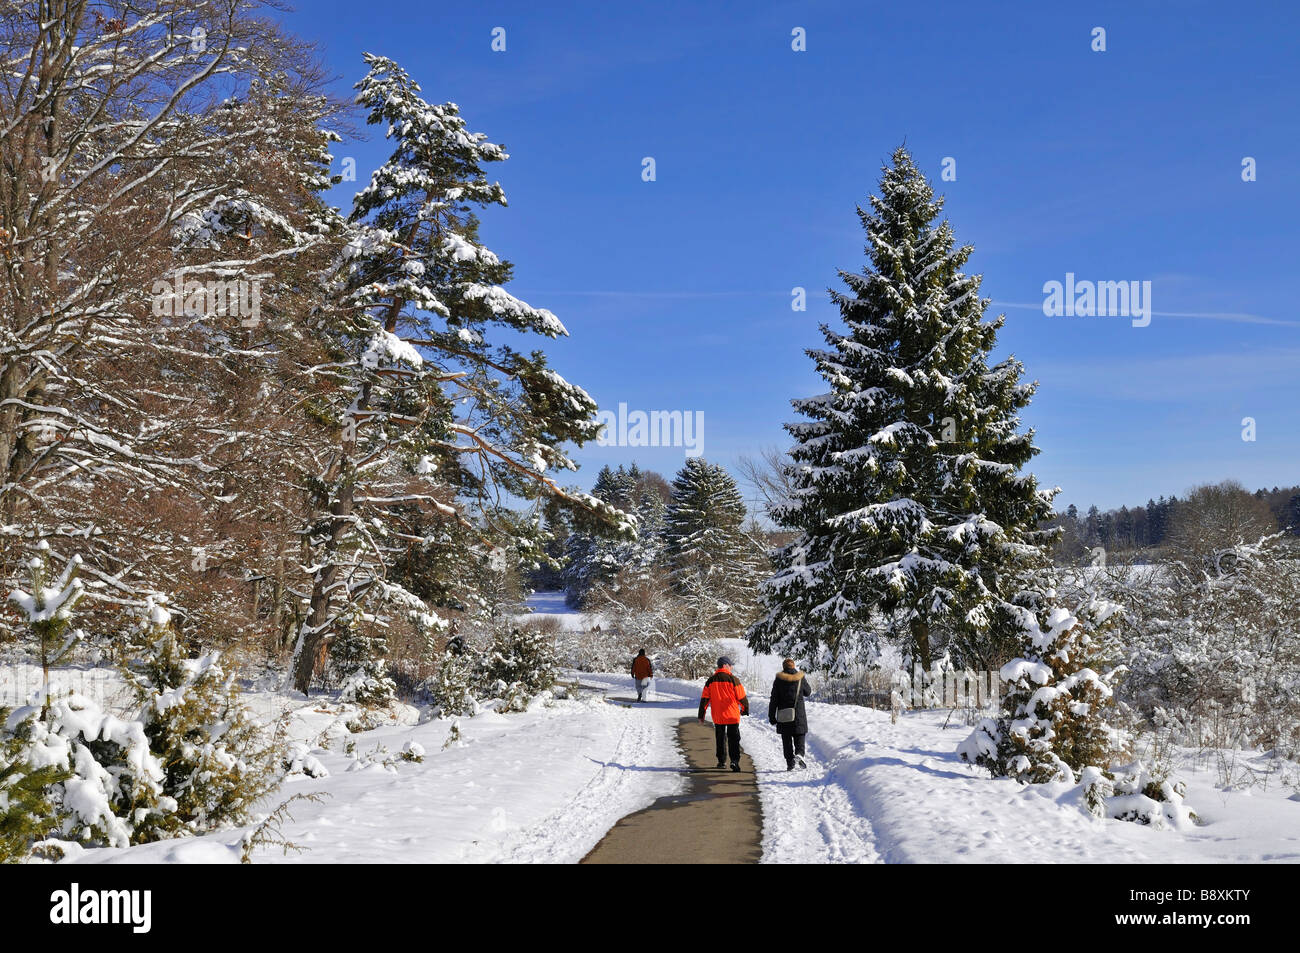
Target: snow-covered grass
537 786
546 784
922 804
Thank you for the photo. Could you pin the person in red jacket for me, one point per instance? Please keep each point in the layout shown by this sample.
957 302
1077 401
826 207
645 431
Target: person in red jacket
642 669
726 695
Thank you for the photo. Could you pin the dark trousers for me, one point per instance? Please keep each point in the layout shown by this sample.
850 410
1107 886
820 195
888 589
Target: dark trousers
793 744
728 737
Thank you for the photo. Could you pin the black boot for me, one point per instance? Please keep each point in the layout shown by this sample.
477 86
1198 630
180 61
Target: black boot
789 765
735 766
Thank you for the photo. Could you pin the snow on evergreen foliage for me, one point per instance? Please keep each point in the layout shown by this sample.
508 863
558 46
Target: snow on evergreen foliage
190 760
594 559
112 782
27 810
1055 721
1051 724
435 423
453 685
47 609
716 566
913 510
357 665
217 760
517 666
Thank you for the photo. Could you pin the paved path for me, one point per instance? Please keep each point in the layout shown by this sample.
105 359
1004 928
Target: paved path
717 820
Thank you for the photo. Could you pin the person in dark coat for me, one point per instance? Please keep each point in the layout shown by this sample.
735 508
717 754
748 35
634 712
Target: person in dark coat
789 690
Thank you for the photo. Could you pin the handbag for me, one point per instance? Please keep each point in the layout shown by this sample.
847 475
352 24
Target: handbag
786 715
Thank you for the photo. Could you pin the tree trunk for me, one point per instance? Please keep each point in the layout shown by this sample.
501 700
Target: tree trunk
921 642
315 629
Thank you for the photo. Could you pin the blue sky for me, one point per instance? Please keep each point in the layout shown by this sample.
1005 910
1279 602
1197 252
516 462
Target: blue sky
1115 165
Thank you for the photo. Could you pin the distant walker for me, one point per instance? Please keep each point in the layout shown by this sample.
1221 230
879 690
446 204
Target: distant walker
642 670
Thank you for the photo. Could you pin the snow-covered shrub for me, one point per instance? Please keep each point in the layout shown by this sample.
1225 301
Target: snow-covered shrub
1145 797
1213 647
111 782
598 648
217 761
452 686
298 759
1052 720
518 665
357 664
27 813
412 751
693 659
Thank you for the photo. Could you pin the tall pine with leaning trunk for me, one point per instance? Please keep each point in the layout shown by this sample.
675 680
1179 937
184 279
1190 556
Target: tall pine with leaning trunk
915 516
435 423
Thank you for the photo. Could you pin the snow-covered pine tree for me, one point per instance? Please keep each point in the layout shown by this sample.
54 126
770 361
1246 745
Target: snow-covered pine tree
217 760
716 566
595 556
517 665
48 608
1052 724
434 423
913 511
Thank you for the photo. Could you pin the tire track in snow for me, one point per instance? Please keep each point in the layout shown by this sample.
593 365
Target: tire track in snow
808 816
567 835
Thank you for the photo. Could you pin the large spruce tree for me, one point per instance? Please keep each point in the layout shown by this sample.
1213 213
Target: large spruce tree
915 515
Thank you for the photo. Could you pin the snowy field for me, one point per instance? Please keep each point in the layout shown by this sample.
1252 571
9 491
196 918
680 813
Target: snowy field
546 784
550 605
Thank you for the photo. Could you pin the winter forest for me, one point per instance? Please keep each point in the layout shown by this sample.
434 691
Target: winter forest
317 550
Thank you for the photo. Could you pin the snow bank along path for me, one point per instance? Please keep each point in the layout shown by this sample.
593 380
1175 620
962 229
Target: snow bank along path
541 786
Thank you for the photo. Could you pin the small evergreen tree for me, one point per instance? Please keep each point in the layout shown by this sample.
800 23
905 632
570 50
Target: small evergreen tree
1052 724
358 666
48 609
217 760
453 684
519 664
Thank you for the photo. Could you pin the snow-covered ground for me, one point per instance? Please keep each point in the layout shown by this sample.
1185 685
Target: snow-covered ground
546 784
536 786
550 605
922 804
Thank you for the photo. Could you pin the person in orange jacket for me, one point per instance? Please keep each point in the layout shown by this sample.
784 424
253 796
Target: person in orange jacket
642 669
724 692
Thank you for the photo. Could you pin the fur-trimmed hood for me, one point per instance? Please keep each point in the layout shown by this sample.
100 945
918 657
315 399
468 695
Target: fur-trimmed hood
789 676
